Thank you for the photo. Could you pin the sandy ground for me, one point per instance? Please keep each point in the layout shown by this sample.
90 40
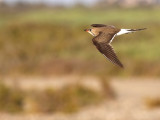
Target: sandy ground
129 105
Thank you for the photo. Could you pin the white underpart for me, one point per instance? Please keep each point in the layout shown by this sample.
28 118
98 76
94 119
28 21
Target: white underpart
91 33
123 31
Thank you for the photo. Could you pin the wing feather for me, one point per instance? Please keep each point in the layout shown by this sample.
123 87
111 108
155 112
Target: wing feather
98 25
109 52
102 42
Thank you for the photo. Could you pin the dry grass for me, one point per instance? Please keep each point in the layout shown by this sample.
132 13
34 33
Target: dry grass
67 99
152 103
10 100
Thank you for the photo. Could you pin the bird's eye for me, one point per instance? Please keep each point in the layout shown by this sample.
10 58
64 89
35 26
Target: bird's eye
90 29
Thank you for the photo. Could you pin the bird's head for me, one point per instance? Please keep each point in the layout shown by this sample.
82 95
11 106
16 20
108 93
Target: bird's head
92 31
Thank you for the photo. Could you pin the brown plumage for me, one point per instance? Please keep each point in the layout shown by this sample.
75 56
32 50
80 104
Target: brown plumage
103 36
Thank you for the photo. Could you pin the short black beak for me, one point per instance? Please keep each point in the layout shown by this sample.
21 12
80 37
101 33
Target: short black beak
85 29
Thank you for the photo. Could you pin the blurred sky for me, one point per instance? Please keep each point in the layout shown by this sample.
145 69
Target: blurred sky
54 2
84 2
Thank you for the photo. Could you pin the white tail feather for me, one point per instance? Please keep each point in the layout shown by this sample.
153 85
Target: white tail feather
124 31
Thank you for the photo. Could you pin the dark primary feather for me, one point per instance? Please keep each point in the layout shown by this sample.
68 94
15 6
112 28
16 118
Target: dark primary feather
108 51
98 25
102 43
102 25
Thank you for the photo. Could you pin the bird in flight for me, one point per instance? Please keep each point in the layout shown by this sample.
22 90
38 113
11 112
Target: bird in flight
104 35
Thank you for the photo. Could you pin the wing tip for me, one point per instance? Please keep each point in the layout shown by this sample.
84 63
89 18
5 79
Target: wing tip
121 66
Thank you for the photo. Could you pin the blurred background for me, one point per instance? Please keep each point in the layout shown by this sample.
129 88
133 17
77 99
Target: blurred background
49 68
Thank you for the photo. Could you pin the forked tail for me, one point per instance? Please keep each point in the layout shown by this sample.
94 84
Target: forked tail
132 30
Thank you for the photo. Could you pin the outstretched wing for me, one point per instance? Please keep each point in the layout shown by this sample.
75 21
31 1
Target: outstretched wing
108 51
102 42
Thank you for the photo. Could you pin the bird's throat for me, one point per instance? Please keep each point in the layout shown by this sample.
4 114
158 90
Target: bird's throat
91 33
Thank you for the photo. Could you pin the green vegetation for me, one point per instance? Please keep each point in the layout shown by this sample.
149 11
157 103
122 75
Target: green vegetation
79 16
51 41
